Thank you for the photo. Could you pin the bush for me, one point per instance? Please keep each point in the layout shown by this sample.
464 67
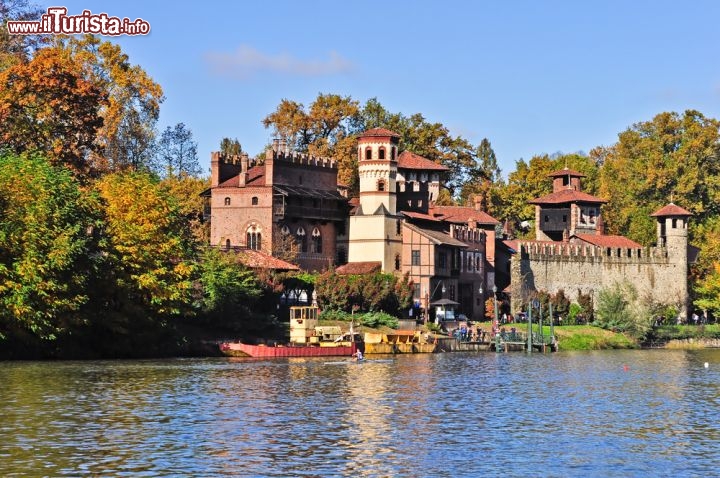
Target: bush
619 311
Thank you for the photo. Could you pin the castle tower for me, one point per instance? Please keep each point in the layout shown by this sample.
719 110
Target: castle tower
375 228
672 234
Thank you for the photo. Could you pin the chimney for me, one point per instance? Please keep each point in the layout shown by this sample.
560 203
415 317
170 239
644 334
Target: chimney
478 201
243 176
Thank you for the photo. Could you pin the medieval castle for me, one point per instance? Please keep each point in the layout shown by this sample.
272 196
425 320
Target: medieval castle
291 207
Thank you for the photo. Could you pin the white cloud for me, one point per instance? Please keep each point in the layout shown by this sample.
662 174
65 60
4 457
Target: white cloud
246 61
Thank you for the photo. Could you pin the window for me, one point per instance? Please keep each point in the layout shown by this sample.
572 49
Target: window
547 219
253 238
442 260
381 153
398 227
477 263
302 242
316 241
674 223
368 153
564 218
381 185
227 201
397 262
254 201
416 291
285 230
415 257
469 263
227 244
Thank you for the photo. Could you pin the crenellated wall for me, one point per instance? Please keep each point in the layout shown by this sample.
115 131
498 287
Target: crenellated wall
656 272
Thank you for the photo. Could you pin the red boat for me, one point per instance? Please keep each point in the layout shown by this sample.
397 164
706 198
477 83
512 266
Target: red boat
307 339
239 349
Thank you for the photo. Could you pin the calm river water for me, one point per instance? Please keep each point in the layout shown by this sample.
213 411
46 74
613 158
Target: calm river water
614 413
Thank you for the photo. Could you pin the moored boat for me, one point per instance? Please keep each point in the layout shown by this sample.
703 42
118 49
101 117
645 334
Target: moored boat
307 339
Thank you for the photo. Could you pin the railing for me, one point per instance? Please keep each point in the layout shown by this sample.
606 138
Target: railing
327 213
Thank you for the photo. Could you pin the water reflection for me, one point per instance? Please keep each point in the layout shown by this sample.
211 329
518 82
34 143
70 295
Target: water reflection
625 413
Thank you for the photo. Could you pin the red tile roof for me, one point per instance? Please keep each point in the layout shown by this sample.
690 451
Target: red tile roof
462 215
358 268
259 260
408 160
671 210
566 172
608 241
420 215
256 176
379 132
567 196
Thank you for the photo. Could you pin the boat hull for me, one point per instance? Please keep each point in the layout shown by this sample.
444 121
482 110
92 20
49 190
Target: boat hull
239 349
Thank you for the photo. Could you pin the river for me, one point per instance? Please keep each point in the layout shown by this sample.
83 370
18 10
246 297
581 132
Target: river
609 413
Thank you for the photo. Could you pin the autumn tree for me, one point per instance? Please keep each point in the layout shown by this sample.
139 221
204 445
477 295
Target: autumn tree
146 244
673 157
44 246
47 105
176 154
127 135
186 192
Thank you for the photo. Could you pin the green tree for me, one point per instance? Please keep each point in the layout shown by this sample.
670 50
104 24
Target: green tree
230 147
176 154
619 310
229 290
44 246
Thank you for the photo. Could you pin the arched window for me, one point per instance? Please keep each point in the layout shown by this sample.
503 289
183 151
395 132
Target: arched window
469 263
381 185
381 153
254 201
253 238
227 244
316 241
284 230
397 262
368 153
227 201
302 239
477 263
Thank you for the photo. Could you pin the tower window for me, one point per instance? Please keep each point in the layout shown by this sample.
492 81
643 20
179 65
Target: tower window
397 262
381 185
254 201
227 201
381 153
398 227
368 153
227 244
674 223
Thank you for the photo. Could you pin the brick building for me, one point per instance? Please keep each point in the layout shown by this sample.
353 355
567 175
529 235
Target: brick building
288 206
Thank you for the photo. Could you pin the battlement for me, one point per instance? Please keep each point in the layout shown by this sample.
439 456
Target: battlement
280 152
580 252
231 159
301 158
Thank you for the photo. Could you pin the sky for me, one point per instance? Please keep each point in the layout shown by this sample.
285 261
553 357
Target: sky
533 77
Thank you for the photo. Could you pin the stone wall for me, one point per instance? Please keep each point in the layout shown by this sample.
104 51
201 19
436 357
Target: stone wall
654 272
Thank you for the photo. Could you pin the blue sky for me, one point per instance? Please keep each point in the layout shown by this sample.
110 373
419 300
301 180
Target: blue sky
533 77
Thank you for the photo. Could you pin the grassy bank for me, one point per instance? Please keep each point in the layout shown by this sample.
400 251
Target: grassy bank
587 337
